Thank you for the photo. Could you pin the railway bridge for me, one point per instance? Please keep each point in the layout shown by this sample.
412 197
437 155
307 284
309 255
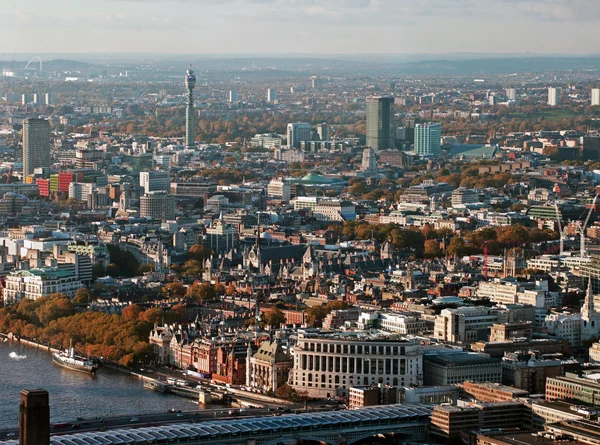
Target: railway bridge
410 421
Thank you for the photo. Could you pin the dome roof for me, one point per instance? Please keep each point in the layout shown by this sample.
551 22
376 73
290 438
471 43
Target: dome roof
316 178
313 177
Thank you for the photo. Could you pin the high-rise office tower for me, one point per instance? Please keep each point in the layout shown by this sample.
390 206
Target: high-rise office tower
157 205
155 181
380 135
511 94
27 99
190 84
428 138
271 95
591 148
596 96
553 96
298 131
36 145
49 98
233 96
369 160
409 126
323 131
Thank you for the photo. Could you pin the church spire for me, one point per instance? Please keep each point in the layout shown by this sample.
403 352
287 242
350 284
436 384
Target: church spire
588 305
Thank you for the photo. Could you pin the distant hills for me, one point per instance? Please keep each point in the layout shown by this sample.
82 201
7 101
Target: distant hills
47 65
448 64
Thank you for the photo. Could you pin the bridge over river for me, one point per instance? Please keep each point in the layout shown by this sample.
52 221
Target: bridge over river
334 427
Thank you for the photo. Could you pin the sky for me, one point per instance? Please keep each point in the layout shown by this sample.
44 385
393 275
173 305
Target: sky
300 26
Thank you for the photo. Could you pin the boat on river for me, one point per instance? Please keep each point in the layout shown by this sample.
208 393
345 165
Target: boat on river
68 359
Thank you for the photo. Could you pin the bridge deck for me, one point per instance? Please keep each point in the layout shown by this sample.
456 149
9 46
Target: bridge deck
238 430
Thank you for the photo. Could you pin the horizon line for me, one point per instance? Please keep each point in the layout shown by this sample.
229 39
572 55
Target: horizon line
292 55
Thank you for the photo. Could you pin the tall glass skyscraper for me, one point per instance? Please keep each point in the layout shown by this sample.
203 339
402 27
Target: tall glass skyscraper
36 145
428 139
380 135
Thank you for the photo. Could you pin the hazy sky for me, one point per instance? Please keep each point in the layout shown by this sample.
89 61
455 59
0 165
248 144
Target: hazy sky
300 26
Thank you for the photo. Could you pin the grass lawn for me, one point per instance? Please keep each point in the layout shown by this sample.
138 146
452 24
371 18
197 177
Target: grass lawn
554 114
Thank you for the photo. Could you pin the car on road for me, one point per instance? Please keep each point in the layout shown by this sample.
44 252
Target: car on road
11 435
134 420
180 415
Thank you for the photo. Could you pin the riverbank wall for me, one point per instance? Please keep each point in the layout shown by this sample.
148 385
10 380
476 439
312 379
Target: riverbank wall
246 397
39 346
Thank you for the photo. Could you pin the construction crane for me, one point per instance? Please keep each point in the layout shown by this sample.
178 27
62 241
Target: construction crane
560 231
583 226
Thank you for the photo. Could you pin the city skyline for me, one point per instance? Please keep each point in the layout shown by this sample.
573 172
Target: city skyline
385 232
386 27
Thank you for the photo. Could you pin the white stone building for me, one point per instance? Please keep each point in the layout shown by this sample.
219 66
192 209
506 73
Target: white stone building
403 324
466 324
269 367
38 283
328 363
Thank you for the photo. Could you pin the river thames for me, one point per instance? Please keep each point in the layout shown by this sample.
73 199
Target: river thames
74 394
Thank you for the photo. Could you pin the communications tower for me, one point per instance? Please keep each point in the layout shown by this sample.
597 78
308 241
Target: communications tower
190 84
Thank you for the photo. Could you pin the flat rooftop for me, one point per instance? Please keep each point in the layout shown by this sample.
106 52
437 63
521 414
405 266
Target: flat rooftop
527 438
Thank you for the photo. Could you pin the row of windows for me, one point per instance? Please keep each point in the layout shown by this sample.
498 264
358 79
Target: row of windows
336 381
354 349
352 365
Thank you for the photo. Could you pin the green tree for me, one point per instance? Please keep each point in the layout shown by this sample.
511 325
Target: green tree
202 291
57 306
457 247
275 318
192 268
83 296
358 188
174 289
199 252
98 270
316 314
432 249
123 263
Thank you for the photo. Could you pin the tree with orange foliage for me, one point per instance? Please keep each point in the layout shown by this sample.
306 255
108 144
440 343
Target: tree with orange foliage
174 289
131 312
